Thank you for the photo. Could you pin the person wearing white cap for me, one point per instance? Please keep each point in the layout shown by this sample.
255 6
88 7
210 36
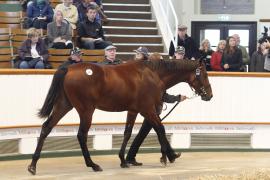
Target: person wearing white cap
110 56
192 52
179 53
142 53
75 57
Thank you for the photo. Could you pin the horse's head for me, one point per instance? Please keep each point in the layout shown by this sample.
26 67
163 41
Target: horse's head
200 83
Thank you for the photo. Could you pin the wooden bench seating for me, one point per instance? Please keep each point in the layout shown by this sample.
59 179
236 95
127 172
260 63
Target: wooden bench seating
58 56
5 57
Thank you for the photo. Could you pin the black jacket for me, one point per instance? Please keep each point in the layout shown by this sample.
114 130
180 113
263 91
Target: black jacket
206 57
108 62
68 63
170 98
90 29
190 47
234 60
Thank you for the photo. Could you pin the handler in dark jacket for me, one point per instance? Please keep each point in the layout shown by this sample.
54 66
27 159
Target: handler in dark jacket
75 57
145 129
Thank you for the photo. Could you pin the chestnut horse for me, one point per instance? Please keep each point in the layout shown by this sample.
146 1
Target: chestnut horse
135 86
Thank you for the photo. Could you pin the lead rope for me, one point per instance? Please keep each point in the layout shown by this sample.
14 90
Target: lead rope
170 111
192 97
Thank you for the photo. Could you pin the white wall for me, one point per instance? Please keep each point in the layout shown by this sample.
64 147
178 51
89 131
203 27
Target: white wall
188 11
236 99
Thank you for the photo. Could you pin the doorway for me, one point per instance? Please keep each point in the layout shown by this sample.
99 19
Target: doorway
215 31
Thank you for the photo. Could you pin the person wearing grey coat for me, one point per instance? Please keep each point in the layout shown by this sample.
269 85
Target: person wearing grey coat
59 33
258 58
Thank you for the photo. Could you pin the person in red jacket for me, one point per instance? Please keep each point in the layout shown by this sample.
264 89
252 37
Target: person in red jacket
217 55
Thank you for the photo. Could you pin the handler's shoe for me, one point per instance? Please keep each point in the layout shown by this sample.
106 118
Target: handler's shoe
173 157
134 162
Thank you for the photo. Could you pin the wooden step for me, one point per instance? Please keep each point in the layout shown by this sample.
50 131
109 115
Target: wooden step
129 14
130 30
134 38
130 47
127 1
126 7
131 22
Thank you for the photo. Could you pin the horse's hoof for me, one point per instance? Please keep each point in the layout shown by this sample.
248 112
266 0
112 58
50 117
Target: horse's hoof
97 168
163 161
124 165
175 156
32 169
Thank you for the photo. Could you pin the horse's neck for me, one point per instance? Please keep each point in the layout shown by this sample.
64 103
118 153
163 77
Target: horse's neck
172 78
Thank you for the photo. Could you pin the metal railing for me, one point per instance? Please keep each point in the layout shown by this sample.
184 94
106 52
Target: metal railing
169 26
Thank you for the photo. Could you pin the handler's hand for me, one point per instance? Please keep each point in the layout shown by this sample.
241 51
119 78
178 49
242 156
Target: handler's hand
183 98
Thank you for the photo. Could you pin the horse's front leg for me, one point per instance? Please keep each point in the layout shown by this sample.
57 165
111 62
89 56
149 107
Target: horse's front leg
131 117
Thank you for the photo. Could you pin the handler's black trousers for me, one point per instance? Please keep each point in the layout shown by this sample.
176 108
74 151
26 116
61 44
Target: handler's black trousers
144 131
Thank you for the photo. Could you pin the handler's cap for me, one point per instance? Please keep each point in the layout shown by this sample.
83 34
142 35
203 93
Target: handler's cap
182 27
110 47
142 50
76 51
180 49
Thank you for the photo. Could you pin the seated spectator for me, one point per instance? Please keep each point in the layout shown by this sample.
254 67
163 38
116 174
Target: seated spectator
179 53
258 58
232 56
142 53
91 33
70 12
206 53
216 56
110 56
82 10
33 52
59 32
39 14
75 57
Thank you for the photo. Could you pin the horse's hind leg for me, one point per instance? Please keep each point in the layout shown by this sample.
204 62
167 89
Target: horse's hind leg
60 109
131 117
85 123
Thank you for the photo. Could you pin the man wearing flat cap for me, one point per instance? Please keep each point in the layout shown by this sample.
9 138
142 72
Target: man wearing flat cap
110 56
191 51
75 57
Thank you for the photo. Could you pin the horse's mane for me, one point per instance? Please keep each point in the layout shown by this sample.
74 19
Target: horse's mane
172 65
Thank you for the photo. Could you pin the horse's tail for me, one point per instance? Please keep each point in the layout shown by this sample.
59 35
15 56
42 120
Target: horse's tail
53 94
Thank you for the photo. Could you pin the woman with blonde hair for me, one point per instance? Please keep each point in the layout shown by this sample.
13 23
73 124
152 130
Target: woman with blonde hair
206 53
216 56
33 52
